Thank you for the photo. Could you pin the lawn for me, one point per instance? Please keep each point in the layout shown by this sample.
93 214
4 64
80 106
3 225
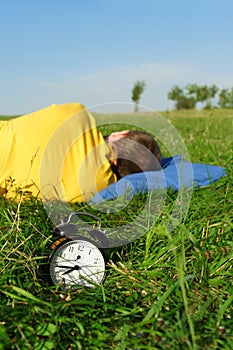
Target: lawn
165 290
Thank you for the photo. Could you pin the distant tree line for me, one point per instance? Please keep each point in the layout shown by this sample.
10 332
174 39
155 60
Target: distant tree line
191 94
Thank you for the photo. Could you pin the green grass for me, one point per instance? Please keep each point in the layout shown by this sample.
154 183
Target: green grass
7 117
162 291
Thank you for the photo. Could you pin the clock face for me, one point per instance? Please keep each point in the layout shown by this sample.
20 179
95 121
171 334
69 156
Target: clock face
77 262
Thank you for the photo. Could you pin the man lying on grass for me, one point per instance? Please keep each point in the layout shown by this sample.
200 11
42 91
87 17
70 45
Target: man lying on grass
58 152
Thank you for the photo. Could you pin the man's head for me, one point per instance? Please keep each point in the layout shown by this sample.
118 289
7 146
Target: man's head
134 151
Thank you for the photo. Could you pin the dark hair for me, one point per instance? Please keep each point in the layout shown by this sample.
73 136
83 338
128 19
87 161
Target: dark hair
137 152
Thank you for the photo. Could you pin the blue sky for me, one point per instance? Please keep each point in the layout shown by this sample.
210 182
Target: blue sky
93 51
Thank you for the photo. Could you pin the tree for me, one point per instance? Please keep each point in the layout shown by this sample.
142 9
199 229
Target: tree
137 91
222 98
175 94
186 103
202 93
193 94
213 89
193 90
226 98
206 94
182 101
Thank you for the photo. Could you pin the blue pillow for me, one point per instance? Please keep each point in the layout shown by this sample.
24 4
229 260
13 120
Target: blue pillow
175 174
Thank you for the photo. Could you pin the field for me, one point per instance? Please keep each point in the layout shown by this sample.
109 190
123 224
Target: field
165 290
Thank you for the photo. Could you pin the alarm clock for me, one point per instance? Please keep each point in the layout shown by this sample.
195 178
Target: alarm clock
78 254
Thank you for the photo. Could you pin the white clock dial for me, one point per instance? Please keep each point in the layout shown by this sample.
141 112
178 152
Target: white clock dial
77 262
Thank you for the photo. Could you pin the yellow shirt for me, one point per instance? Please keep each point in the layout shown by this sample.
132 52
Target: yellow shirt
54 153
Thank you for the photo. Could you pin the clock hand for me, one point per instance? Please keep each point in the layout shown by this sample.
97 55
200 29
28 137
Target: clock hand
66 260
75 267
87 266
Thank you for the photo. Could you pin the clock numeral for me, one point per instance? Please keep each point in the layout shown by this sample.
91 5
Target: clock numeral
62 254
71 249
96 261
80 248
90 251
